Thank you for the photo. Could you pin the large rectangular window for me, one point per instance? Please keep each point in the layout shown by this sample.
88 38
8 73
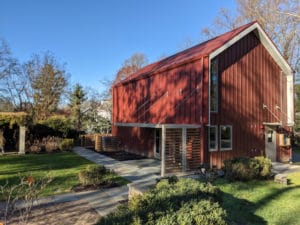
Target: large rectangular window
214 85
226 137
213 138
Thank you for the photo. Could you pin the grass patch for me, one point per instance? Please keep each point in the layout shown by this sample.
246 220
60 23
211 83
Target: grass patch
62 167
261 202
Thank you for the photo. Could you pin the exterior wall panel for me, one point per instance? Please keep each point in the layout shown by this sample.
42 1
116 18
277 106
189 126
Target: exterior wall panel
248 79
174 96
136 140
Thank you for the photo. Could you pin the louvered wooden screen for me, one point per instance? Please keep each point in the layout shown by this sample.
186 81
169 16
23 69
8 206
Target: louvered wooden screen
193 148
111 144
173 150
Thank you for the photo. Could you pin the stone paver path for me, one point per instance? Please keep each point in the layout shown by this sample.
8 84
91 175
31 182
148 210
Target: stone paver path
105 201
284 168
136 171
133 170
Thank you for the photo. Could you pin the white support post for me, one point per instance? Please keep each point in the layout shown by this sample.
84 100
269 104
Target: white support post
163 150
22 131
183 149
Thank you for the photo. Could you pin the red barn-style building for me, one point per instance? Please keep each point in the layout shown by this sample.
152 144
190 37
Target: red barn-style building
226 97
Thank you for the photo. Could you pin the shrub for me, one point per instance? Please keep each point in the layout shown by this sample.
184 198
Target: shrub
185 201
35 148
246 169
203 212
51 146
93 175
66 144
265 166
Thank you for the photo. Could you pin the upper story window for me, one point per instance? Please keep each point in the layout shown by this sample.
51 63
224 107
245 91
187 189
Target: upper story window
214 81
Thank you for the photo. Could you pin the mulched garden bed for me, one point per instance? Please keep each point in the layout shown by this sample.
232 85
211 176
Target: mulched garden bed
80 187
122 156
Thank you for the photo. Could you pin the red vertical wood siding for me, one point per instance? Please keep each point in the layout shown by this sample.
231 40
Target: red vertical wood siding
174 96
248 78
136 140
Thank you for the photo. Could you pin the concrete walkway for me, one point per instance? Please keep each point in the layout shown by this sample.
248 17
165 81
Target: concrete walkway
107 200
284 168
133 170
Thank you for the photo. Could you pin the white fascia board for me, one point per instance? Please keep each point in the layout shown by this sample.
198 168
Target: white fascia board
290 99
265 40
151 125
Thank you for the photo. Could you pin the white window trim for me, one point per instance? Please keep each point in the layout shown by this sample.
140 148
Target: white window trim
217 94
226 149
216 139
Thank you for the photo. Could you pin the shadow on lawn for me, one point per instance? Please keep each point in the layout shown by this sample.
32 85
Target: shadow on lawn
242 211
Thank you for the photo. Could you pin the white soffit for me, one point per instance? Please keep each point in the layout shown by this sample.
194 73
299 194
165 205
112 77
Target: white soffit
265 40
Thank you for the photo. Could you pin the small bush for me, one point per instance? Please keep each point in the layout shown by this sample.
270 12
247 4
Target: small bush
35 148
93 175
51 146
66 144
246 169
265 166
185 201
203 212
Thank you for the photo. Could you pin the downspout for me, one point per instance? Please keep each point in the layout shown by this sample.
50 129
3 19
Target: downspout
209 78
281 116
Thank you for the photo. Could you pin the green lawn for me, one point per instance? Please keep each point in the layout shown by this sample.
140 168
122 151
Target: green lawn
262 202
61 167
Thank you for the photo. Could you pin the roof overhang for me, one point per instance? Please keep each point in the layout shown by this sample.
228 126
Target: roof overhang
152 125
266 42
272 124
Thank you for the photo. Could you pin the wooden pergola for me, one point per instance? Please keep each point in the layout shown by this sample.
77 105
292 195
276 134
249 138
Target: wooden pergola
19 118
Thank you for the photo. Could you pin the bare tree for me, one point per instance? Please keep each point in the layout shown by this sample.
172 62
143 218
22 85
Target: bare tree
48 80
185 44
223 22
275 16
130 66
13 83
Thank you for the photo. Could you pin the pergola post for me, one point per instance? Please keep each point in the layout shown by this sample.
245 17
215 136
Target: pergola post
2 142
22 131
184 149
163 150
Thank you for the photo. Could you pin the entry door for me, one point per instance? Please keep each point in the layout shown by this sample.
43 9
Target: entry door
157 143
270 141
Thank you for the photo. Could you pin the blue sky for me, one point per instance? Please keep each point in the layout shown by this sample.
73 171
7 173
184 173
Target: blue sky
94 37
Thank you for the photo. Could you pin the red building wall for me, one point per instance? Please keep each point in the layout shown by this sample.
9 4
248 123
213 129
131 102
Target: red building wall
248 78
178 95
173 96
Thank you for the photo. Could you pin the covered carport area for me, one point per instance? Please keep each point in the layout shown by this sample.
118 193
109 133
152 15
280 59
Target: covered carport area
177 145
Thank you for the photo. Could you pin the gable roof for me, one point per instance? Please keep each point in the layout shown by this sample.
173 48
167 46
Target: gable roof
212 48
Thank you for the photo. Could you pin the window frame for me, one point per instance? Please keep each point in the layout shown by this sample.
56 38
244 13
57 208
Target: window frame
216 138
231 143
217 86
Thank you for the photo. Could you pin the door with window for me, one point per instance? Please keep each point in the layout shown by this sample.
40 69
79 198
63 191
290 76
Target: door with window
157 143
270 142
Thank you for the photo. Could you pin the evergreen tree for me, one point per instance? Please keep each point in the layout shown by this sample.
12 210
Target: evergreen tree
77 97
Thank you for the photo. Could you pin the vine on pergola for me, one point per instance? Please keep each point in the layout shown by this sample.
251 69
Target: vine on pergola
14 118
